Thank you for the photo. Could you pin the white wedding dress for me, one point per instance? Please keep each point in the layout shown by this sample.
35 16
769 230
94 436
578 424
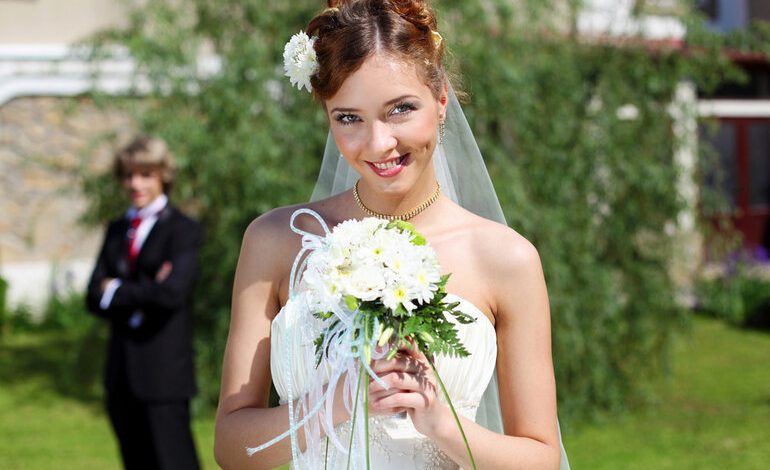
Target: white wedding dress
463 176
394 442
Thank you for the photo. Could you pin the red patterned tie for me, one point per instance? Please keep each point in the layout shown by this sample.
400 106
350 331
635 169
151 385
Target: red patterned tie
133 246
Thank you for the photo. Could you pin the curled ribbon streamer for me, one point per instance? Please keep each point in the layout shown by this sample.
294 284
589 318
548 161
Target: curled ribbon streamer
310 241
342 347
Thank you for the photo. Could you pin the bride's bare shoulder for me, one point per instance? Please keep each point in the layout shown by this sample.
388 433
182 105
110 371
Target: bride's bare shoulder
271 232
499 248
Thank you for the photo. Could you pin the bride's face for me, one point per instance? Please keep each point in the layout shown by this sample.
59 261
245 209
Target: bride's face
384 120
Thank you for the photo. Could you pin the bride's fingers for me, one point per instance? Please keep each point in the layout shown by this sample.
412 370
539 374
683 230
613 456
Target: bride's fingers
398 362
414 354
403 400
385 411
402 362
403 381
377 394
376 397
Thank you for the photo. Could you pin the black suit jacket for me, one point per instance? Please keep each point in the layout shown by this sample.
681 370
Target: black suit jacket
156 359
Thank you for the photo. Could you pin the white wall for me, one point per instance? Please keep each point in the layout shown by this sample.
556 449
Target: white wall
56 21
31 283
613 18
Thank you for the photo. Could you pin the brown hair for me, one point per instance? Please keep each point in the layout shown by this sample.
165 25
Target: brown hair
147 153
350 31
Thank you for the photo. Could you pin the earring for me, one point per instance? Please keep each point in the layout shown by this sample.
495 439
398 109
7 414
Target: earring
441 131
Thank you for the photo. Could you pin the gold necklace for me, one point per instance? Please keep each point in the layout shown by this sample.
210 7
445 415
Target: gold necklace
406 215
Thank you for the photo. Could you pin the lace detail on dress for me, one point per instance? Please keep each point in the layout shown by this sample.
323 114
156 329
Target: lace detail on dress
380 440
389 440
435 458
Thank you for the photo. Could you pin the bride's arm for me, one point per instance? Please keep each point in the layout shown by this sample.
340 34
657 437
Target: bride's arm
243 417
525 374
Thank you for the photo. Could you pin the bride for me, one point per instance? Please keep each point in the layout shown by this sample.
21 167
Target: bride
399 148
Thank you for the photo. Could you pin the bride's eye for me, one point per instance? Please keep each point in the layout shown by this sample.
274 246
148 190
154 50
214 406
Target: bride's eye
402 109
346 119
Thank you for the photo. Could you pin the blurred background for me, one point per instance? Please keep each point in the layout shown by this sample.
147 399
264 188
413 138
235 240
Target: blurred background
629 140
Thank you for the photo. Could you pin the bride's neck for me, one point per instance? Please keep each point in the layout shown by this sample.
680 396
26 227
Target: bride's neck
396 203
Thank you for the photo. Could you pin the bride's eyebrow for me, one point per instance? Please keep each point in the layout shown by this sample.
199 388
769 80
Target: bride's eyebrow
387 103
343 110
399 99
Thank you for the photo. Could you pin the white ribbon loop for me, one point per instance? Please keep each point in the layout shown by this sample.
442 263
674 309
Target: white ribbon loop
310 241
342 353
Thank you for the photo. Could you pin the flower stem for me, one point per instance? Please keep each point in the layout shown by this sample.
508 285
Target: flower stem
326 454
366 421
454 413
367 342
353 419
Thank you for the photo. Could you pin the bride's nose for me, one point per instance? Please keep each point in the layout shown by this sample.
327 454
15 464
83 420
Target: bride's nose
381 139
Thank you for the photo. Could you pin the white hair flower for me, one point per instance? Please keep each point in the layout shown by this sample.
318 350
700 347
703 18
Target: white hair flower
299 60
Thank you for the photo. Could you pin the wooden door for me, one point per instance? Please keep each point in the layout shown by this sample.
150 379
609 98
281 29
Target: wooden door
743 175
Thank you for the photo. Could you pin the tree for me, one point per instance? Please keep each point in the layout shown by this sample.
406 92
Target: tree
594 191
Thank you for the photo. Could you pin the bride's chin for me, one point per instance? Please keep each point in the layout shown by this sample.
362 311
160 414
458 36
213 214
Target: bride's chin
390 189
398 186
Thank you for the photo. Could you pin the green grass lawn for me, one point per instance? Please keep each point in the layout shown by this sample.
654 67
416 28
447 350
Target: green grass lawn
713 413
51 413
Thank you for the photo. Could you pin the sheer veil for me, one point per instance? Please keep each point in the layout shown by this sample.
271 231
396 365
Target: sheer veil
460 170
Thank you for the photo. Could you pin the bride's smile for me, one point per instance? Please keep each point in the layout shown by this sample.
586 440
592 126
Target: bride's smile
390 167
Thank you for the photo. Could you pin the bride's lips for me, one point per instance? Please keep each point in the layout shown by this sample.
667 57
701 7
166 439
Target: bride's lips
390 167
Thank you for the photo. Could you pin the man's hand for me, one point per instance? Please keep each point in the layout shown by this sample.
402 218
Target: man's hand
105 282
163 272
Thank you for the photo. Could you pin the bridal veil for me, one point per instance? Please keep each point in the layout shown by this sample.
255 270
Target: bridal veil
463 176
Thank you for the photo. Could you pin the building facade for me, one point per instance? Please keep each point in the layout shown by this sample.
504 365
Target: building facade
49 136
739 129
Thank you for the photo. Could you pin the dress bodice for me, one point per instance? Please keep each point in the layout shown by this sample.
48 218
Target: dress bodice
394 442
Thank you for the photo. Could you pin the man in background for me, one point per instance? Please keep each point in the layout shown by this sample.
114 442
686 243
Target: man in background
142 284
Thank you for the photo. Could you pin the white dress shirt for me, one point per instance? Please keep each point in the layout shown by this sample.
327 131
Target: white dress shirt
149 215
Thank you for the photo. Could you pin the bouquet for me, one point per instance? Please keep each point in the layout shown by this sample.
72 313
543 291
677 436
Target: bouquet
374 287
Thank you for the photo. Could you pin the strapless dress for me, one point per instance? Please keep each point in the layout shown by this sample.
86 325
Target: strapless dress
394 442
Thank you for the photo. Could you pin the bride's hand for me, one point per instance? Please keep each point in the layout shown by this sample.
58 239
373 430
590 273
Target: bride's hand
412 388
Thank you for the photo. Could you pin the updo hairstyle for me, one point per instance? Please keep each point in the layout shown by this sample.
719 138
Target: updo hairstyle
350 31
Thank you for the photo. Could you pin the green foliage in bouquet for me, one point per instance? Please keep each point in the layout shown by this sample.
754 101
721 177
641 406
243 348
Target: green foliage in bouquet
431 331
427 327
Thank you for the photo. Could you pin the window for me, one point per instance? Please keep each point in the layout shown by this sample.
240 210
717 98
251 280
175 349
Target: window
709 7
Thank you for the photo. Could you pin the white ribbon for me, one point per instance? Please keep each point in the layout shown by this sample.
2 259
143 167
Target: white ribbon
342 352
310 241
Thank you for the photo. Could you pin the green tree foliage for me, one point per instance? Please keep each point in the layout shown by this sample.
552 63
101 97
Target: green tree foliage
594 192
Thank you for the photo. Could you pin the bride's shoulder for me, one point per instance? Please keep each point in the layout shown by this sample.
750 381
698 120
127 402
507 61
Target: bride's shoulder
272 230
506 263
500 248
272 225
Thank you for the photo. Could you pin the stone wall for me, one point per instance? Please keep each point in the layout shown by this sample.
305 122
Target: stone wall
46 145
